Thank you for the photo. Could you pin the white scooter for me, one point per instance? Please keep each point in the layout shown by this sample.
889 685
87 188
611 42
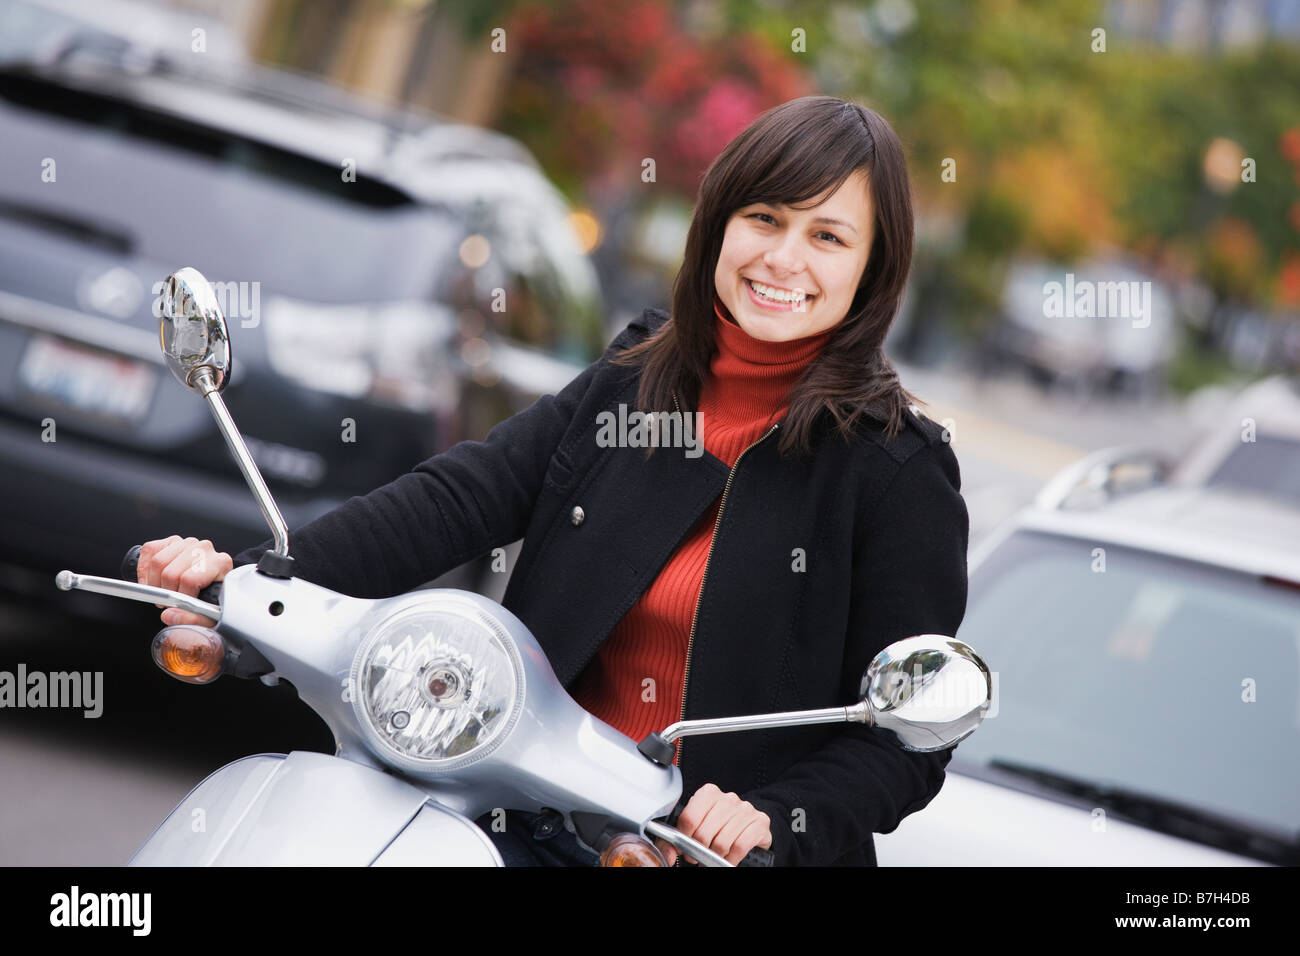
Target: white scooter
442 704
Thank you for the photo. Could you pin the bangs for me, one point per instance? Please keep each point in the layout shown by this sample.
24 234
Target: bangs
793 159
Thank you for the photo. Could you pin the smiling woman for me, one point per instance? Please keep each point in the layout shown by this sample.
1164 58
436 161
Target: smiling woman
794 268
803 226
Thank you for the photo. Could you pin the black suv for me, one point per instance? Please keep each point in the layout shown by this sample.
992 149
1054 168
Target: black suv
394 283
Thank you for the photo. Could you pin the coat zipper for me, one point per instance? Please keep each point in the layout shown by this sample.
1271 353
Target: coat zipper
690 641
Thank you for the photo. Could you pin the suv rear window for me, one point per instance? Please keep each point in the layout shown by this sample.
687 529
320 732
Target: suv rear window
25 89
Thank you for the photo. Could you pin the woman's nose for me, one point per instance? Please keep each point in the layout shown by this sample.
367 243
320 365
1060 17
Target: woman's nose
784 257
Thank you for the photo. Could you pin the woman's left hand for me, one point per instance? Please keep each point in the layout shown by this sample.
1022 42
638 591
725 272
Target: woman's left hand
726 824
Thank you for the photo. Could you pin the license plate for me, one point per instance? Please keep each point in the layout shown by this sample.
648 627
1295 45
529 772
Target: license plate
93 382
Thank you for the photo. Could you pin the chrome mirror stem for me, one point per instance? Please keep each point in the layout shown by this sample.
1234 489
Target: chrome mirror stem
857 713
203 380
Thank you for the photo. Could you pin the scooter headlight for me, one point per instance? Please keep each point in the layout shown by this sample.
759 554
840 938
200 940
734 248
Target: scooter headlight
438 686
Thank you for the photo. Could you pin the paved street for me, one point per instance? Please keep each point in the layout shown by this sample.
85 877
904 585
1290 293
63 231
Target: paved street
1010 437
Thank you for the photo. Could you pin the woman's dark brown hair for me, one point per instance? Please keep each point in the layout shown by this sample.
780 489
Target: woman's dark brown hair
792 154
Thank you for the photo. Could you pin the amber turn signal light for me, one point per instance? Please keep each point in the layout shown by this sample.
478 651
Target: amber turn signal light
628 849
189 653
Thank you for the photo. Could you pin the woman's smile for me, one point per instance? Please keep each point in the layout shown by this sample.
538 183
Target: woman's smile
777 298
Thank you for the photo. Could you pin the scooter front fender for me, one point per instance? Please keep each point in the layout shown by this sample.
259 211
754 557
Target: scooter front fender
311 809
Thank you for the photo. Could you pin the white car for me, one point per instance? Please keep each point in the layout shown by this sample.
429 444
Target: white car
1144 640
1252 444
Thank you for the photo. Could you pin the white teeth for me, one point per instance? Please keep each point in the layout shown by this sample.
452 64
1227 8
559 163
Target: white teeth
776 295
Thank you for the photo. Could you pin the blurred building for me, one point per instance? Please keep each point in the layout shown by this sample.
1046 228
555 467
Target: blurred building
1199 25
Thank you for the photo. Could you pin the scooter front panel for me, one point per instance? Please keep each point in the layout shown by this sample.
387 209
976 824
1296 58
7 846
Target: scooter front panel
438 837
303 809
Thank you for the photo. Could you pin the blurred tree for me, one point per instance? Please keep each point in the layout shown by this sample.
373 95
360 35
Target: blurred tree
598 88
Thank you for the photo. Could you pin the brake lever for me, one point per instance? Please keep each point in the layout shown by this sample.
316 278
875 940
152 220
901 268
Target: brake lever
67 580
680 842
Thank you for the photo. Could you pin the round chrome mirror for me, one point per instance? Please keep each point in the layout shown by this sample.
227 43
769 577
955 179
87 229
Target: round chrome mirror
193 331
930 690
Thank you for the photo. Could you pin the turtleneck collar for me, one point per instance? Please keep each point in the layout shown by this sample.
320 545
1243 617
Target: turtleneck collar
751 378
729 335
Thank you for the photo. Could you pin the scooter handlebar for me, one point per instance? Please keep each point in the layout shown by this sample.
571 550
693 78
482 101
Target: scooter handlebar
755 857
211 594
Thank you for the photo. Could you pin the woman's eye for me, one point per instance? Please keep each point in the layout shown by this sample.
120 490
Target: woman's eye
831 236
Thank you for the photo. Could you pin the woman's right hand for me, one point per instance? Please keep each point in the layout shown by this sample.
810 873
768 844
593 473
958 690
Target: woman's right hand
187 565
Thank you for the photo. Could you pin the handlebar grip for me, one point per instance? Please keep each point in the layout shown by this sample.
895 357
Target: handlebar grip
755 857
211 593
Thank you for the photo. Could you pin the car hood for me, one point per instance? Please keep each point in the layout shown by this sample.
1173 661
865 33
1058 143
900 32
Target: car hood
974 822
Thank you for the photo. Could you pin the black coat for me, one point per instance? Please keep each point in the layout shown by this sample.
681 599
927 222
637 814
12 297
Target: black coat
880 524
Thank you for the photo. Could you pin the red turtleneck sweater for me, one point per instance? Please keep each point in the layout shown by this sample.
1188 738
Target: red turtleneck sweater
634 683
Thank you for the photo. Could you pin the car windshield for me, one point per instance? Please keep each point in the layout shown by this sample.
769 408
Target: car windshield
1269 464
1149 673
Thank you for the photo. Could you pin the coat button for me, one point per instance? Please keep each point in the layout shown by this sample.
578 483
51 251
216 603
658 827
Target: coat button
576 515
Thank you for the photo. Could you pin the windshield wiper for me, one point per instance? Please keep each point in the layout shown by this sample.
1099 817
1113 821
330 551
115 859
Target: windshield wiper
1169 816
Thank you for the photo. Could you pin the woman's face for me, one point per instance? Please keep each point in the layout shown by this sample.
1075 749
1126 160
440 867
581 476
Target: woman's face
796 252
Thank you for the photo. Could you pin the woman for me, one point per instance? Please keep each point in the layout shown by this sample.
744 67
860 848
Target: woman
821 520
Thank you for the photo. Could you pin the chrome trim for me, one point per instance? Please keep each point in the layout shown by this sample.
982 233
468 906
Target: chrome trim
79 326
235 442
857 713
67 580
